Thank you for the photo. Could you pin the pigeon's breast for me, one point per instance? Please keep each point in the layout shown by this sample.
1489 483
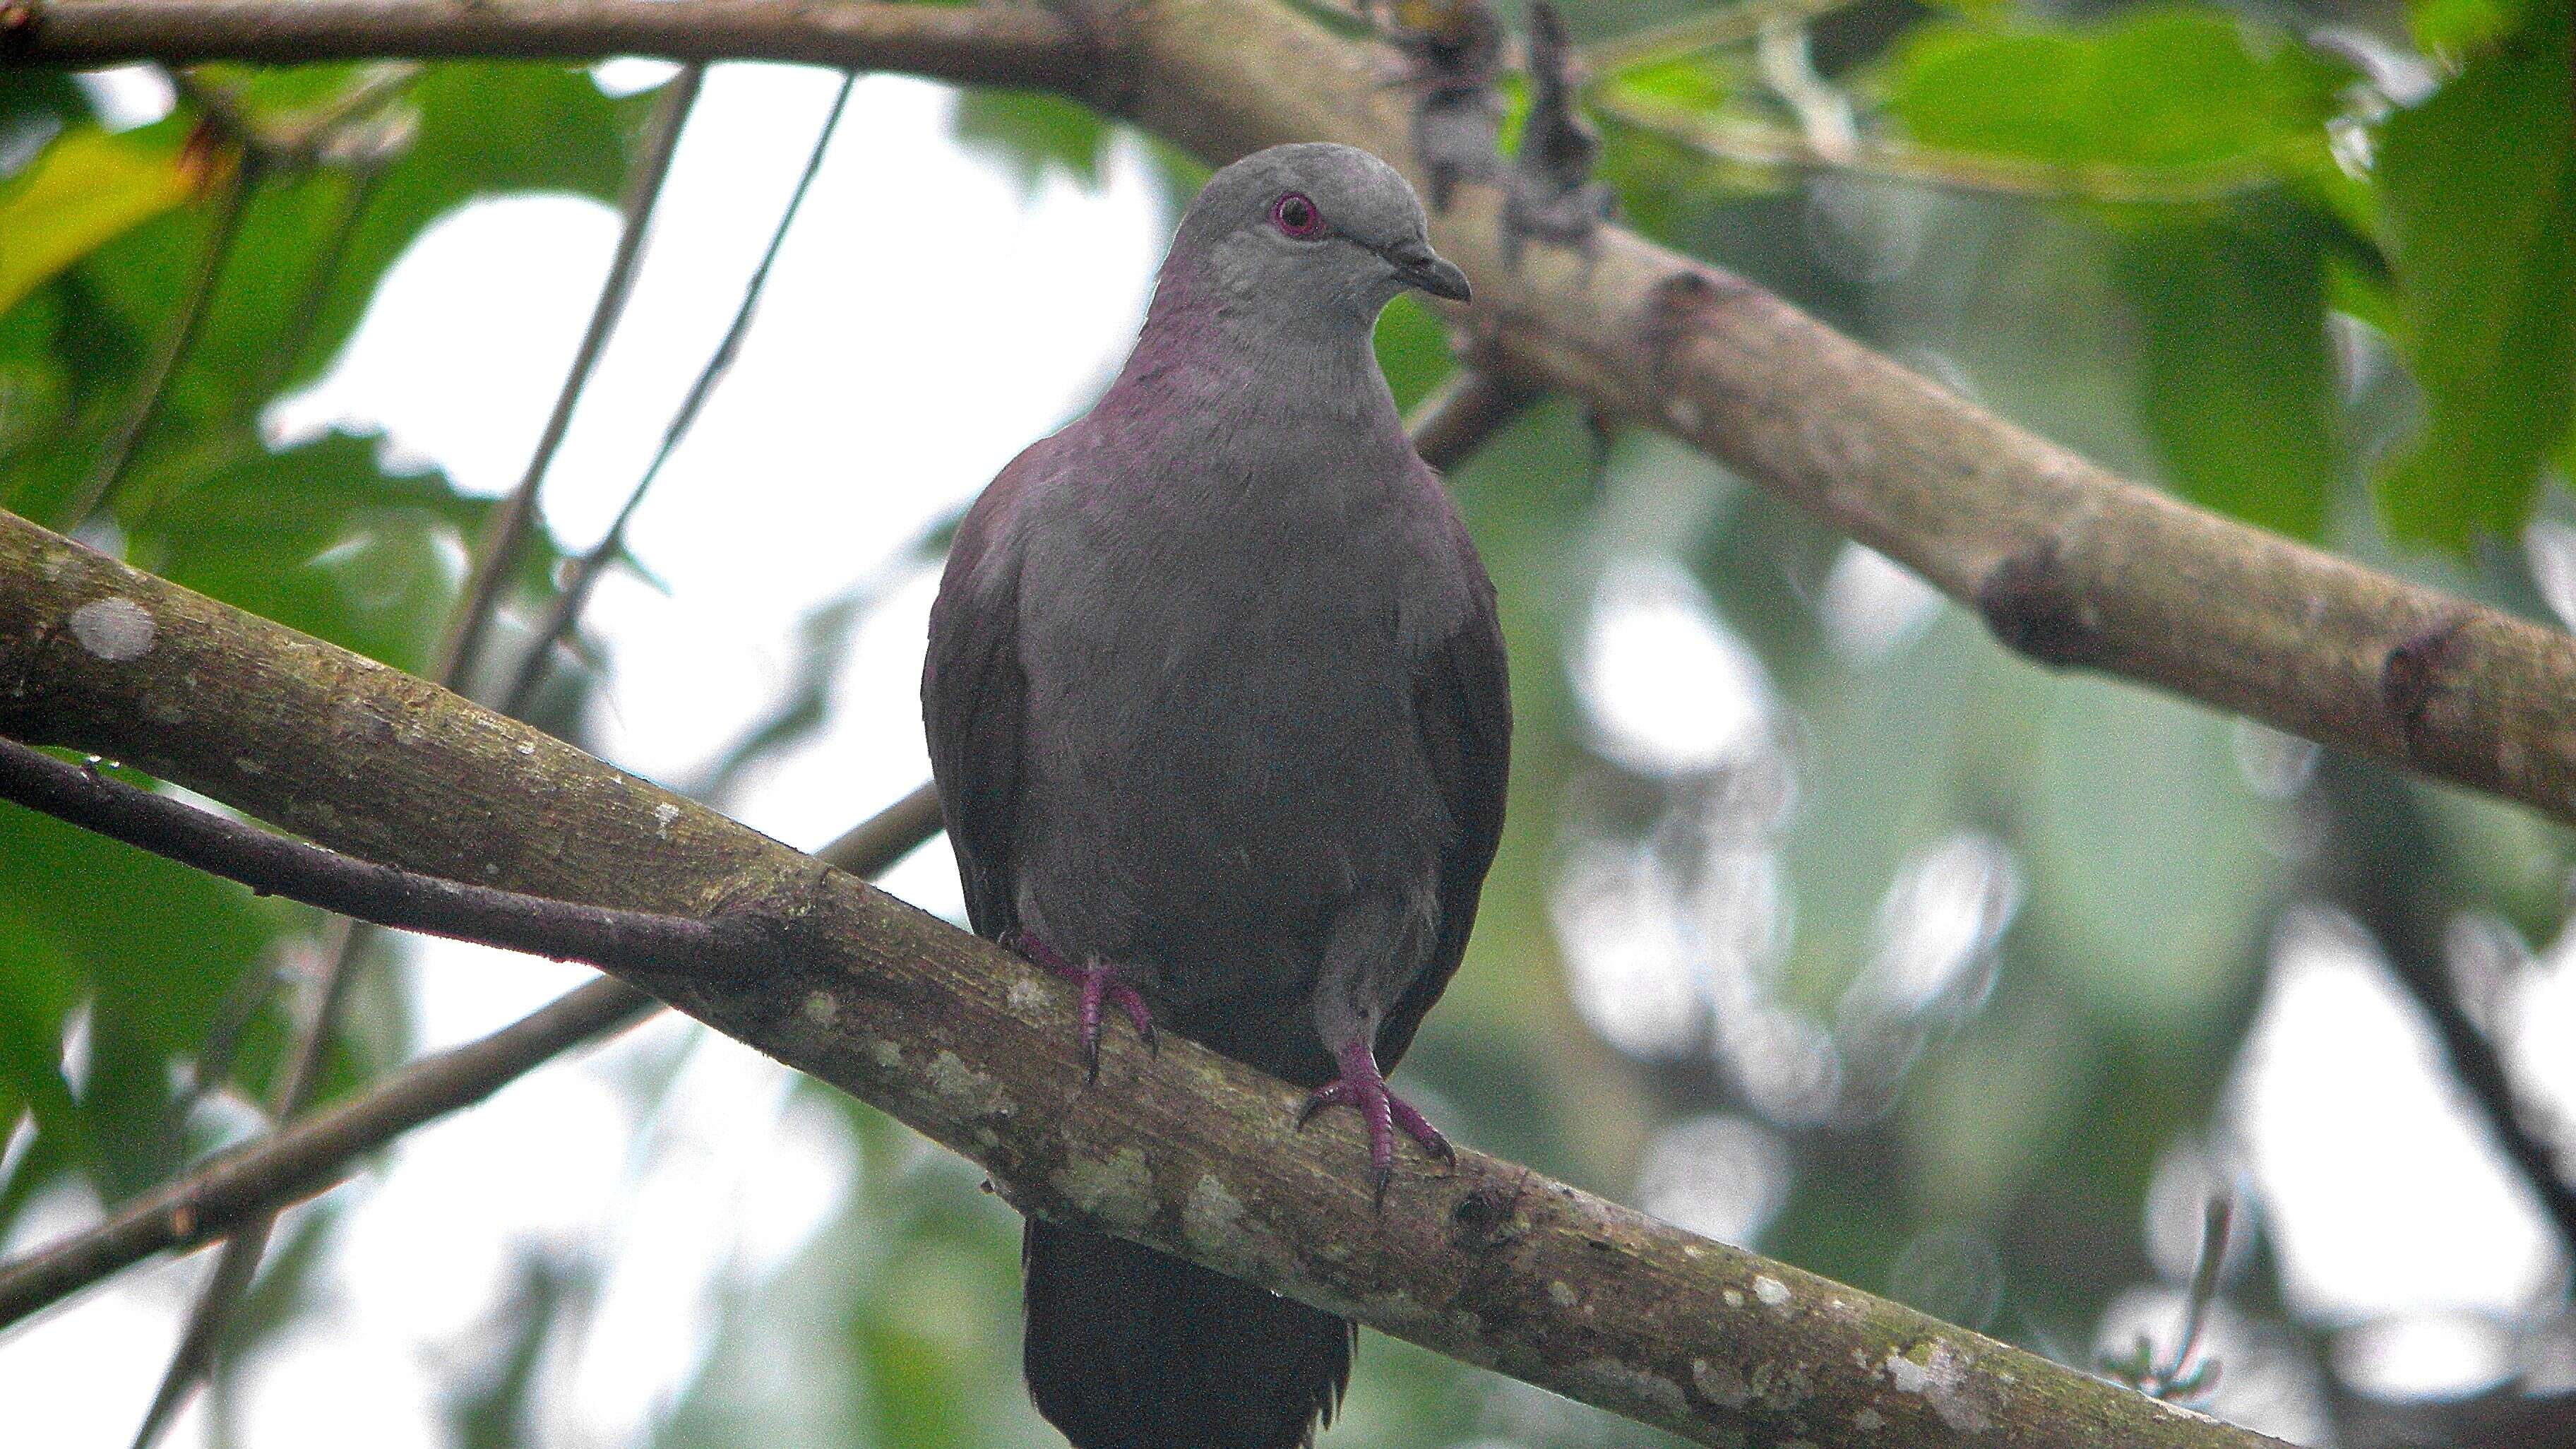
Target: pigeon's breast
1224 694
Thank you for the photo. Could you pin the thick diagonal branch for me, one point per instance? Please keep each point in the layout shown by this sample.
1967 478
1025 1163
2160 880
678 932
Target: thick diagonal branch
2066 562
1185 1151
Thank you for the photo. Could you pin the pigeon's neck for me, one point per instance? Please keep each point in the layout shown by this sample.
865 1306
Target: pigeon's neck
1207 356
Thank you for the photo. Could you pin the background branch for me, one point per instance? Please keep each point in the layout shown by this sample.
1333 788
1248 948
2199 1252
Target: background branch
575 595
499 547
2066 562
495 559
307 1157
1008 45
1184 1150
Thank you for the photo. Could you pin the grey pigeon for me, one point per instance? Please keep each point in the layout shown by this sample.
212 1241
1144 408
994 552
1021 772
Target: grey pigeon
1217 709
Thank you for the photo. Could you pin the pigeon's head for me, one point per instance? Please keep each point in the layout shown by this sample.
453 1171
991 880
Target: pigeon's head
1310 234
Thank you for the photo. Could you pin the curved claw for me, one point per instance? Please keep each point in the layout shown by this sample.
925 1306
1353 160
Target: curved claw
1101 984
1363 1087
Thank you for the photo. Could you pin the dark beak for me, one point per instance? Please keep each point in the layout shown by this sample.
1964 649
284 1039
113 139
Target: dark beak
1419 266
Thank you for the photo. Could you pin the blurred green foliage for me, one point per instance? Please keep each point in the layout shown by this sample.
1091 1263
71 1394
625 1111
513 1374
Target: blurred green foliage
2321 290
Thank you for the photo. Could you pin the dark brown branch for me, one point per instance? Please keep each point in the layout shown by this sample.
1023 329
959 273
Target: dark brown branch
989 44
1185 1151
2386 870
308 1157
638 942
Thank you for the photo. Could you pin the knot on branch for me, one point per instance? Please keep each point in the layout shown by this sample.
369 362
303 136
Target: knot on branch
2414 673
2030 605
1677 308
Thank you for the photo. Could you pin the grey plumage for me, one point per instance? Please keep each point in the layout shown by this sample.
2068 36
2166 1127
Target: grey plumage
1215 696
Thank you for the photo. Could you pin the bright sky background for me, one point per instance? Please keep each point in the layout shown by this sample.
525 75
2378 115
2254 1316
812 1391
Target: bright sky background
927 319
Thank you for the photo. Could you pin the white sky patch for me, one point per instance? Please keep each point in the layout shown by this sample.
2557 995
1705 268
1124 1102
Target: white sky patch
925 321
128 96
1871 606
1665 686
2384 1196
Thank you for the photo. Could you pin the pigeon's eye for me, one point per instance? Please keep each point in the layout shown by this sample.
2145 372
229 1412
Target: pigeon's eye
1295 215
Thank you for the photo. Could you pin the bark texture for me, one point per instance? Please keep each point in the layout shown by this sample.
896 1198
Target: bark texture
2067 563
1185 1150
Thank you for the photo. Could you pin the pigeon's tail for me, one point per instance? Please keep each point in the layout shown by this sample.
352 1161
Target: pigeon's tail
1131 1349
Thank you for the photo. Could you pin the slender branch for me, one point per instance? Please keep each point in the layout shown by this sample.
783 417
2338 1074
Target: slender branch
2384 874
238 1264
575 594
980 44
467 622
1705 30
499 548
247 1186
383 895
232 198
307 316
2066 562
1741 142
309 1156
1185 1151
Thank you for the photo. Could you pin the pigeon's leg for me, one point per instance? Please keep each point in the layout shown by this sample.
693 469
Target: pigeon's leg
1362 1087
1102 984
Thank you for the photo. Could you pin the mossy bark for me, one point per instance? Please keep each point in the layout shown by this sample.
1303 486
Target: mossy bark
1490 1263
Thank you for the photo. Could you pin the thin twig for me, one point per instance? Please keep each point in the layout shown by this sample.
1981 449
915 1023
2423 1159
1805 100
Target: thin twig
1752 143
2383 874
382 895
194 1356
311 1154
305 1157
575 594
279 364
1692 34
126 441
216 1301
499 548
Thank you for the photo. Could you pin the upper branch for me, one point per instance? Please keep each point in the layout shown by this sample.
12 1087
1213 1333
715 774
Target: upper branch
983 44
2066 562
1185 1151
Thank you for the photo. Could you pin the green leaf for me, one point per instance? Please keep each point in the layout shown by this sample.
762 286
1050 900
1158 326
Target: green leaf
87 189
2173 90
1032 136
1696 82
320 538
2480 196
2453 26
2238 385
484 130
153 945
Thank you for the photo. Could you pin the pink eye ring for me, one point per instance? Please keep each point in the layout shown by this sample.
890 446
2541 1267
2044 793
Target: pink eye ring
1295 215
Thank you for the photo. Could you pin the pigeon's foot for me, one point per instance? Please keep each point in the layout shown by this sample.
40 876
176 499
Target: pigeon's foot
1101 985
1363 1087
